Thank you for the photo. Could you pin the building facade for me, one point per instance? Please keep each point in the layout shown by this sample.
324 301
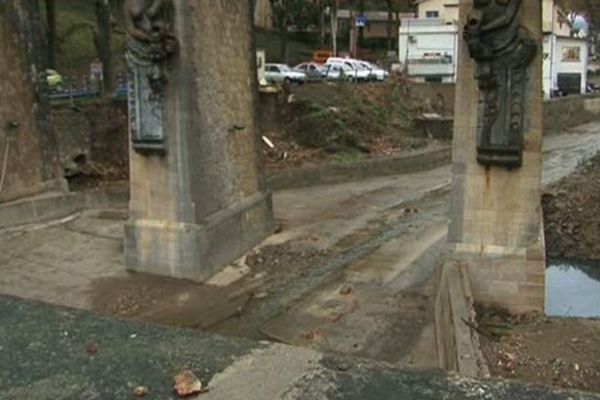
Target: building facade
428 49
566 57
446 10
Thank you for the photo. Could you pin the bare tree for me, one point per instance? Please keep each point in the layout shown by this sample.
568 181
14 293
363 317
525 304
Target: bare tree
103 42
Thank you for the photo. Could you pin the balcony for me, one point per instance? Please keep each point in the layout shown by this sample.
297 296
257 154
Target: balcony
431 66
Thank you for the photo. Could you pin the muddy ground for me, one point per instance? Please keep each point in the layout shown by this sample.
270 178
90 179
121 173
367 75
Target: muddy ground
572 214
560 352
564 353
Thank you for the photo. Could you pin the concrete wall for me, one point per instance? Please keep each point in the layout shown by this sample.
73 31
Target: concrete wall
438 98
28 148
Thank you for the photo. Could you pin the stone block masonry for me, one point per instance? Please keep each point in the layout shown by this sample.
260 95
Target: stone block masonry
496 212
202 202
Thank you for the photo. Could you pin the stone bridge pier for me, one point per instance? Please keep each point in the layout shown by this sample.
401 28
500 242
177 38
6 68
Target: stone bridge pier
198 198
496 217
28 149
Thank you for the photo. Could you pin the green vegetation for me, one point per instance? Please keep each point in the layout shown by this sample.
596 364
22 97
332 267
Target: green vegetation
75 47
298 49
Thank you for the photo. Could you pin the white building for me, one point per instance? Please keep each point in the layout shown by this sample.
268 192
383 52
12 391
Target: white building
446 10
428 49
565 58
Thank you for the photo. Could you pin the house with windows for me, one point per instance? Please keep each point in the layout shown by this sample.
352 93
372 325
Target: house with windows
566 56
428 47
447 10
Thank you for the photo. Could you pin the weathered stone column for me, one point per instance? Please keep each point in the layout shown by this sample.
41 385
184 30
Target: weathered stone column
496 220
28 148
198 199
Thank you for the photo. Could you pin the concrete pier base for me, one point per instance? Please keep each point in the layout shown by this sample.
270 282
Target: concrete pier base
197 251
496 217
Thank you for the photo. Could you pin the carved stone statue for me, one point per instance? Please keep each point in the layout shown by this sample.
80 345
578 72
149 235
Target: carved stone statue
150 43
503 49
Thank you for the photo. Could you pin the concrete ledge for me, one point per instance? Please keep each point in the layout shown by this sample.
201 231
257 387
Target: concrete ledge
340 173
458 344
564 113
198 251
52 206
39 209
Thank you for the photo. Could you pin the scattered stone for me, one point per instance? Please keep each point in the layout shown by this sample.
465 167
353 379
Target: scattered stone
91 349
187 384
261 295
345 290
141 391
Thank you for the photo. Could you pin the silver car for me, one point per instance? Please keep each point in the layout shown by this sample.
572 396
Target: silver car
339 72
377 73
313 71
280 73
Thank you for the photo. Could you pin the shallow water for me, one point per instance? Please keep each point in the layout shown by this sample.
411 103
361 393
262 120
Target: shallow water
573 289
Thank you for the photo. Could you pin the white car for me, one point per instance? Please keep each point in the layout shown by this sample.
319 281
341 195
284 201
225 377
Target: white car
360 73
338 72
377 73
280 73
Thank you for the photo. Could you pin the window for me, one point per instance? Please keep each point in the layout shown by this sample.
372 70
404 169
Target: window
433 79
432 14
571 54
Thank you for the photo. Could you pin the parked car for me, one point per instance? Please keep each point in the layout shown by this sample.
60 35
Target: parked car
359 73
338 72
55 80
377 73
279 73
312 70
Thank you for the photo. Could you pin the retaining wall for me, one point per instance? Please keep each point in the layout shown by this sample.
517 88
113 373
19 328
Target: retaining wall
340 173
457 341
564 113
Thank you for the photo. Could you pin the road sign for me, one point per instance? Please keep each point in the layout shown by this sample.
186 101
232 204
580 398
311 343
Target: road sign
361 21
